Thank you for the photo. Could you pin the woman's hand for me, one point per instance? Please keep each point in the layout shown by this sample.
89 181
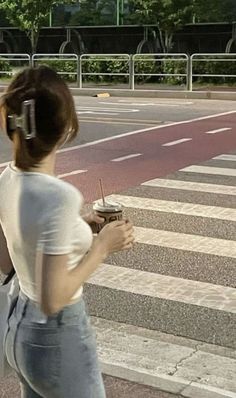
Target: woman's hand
93 219
116 236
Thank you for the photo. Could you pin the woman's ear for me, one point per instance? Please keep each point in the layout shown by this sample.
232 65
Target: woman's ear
63 141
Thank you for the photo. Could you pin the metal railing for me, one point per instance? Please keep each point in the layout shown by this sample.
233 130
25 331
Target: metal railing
108 60
161 71
216 63
15 61
161 68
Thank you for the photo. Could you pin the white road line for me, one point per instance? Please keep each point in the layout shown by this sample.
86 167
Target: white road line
172 143
96 113
166 206
103 121
135 155
108 109
210 170
165 287
75 172
144 130
141 104
231 158
155 103
192 243
154 128
191 186
218 131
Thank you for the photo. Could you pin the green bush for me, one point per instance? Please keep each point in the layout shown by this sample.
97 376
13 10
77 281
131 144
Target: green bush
5 67
172 66
145 65
92 65
117 66
215 68
103 65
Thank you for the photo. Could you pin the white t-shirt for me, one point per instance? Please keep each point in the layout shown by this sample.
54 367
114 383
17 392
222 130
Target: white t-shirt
39 212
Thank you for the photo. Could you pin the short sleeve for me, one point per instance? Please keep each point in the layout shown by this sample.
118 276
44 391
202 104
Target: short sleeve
60 216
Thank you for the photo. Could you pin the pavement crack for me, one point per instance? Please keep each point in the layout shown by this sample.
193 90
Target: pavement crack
181 362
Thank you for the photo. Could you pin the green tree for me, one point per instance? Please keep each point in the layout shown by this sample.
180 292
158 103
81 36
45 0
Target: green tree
171 15
167 15
87 15
95 12
220 11
30 15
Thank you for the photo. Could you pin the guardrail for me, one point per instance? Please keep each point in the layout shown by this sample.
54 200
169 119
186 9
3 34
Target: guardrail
17 61
216 63
109 59
162 60
183 69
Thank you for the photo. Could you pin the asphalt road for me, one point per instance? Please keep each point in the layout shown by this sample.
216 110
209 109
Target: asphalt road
107 117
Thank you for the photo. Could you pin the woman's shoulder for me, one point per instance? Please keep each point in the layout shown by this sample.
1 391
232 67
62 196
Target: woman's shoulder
66 188
64 192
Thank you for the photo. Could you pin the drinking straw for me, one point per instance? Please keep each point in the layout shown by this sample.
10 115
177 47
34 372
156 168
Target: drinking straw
102 192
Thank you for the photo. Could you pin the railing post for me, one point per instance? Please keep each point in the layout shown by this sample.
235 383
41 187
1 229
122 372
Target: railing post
131 73
31 61
189 84
80 72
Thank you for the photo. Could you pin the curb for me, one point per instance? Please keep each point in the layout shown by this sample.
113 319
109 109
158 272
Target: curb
170 384
213 95
174 94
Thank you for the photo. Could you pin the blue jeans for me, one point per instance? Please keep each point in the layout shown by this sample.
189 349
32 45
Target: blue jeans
55 356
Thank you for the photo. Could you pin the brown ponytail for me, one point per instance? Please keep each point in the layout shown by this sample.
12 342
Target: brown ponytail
55 114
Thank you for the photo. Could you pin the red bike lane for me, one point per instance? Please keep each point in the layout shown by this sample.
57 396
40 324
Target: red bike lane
85 164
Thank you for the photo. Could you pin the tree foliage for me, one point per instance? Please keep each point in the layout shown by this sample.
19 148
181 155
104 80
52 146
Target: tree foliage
95 12
171 15
214 10
30 15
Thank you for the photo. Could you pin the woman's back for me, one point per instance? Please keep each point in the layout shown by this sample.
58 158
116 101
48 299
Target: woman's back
36 210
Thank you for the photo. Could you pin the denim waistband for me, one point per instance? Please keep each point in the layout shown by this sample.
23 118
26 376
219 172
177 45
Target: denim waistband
30 312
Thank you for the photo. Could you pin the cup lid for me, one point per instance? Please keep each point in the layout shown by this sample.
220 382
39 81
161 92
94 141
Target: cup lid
109 207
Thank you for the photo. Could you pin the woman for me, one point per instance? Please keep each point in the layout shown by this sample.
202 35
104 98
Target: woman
50 343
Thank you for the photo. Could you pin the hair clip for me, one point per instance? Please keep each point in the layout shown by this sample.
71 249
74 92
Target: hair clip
28 116
26 122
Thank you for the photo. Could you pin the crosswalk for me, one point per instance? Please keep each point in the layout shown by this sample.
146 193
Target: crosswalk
178 283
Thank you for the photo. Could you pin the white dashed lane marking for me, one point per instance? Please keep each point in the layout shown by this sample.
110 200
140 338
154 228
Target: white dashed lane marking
134 155
218 131
72 173
172 143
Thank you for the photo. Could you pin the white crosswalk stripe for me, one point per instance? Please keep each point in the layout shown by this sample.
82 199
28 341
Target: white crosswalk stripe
167 206
167 287
231 158
210 170
191 186
172 282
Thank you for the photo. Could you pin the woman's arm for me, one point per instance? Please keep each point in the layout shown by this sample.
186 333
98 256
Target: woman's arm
57 284
5 260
